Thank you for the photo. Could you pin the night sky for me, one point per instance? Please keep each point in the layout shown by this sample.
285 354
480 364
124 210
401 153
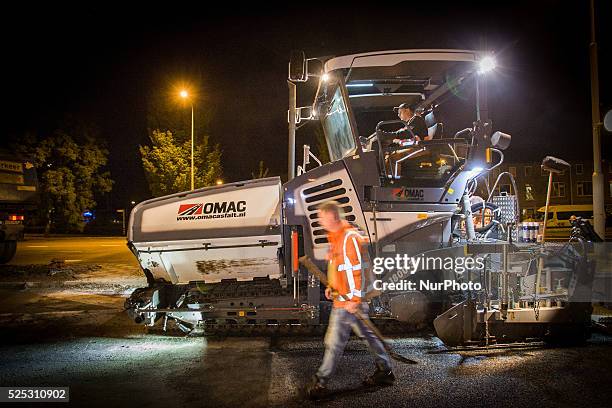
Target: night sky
105 64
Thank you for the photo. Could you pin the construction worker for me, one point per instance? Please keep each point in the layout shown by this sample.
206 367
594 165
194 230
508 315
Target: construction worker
346 276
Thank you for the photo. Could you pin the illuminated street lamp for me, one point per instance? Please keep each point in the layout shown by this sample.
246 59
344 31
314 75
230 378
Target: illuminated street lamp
219 182
184 94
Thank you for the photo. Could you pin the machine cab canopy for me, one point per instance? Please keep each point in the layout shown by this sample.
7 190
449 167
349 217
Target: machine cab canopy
357 92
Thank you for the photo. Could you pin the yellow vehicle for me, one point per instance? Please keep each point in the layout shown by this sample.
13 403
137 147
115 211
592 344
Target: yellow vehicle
558 224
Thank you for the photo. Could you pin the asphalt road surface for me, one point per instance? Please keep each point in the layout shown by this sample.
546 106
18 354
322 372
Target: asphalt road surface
85 341
82 249
73 332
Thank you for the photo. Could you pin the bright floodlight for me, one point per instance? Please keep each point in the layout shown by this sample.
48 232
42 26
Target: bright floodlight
325 77
487 64
184 94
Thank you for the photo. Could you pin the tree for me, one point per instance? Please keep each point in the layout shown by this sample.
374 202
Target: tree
262 171
167 163
71 173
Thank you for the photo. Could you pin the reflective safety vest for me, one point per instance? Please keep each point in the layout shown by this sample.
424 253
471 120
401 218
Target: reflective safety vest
345 274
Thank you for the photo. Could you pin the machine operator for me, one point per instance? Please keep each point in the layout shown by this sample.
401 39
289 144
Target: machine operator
414 129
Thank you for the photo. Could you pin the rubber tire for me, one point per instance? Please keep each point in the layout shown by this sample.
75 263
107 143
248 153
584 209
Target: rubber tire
7 251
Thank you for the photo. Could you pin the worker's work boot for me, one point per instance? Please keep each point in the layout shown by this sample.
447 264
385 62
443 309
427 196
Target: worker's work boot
316 389
380 377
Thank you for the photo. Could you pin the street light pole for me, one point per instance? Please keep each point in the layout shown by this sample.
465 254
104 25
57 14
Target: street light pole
192 143
599 217
186 96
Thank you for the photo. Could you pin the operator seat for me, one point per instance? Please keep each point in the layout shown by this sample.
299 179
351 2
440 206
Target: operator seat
434 129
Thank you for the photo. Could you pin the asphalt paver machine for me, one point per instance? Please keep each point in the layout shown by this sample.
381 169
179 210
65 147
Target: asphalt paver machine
226 257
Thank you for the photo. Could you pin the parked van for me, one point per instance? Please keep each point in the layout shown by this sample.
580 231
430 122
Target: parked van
558 224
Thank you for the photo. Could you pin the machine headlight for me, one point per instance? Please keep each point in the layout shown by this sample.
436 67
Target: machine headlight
487 64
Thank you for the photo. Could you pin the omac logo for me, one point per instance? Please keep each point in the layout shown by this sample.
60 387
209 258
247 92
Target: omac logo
409 193
204 211
190 209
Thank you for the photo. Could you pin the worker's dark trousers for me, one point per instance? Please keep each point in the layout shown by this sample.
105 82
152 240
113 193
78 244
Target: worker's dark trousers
339 329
